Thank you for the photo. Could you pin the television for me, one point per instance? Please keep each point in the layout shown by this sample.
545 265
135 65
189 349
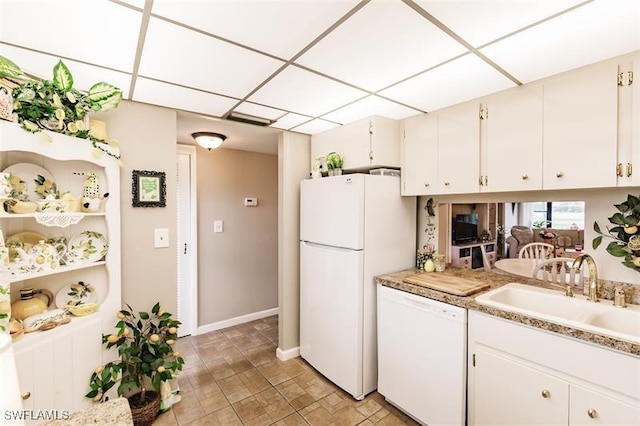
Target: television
465 228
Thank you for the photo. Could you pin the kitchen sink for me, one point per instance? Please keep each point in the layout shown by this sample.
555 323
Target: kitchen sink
577 312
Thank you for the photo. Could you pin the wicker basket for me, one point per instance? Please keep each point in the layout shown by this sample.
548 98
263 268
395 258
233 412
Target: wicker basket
145 415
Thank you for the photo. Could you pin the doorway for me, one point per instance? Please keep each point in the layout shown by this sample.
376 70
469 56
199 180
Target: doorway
187 254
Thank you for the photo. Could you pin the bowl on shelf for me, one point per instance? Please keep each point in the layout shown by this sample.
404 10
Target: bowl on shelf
82 309
52 206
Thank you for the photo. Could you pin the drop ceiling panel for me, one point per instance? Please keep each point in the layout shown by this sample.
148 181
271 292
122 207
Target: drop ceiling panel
281 28
315 126
84 76
371 105
178 55
304 92
290 120
457 81
593 32
479 22
259 110
171 96
382 43
98 32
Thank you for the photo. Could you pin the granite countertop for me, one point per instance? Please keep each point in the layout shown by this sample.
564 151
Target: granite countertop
497 279
115 412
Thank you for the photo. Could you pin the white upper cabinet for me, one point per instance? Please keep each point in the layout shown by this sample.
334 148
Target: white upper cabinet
367 143
581 128
629 121
419 154
511 140
458 149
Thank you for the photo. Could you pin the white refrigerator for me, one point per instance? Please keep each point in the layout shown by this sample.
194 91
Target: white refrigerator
352 228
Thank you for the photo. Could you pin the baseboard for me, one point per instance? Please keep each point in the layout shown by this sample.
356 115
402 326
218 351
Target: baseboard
288 354
236 321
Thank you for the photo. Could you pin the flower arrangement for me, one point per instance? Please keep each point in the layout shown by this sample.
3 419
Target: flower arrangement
56 105
625 233
145 346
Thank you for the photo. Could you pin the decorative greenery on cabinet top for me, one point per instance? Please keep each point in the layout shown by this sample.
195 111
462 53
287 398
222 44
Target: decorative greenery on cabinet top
57 106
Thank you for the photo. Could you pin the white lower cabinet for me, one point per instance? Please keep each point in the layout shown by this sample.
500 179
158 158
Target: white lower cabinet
590 407
522 375
509 393
54 373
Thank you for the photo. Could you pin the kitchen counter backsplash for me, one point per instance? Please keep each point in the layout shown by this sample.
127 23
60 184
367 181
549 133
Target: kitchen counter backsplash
497 279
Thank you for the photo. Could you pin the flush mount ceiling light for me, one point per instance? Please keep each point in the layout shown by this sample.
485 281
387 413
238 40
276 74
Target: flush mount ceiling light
209 140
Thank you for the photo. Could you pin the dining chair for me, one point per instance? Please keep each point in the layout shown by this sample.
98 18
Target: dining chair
558 270
537 251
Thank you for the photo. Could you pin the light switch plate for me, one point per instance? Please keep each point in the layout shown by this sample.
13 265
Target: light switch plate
161 237
218 226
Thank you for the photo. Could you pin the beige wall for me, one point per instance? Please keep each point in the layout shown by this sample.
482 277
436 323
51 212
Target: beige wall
293 166
147 136
237 269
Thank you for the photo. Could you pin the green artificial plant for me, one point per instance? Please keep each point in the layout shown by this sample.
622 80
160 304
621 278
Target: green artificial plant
55 104
145 346
334 161
625 233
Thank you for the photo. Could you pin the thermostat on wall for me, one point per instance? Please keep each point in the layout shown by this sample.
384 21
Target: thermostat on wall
250 202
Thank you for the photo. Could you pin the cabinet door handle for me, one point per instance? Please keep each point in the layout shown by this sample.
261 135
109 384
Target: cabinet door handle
25 396
619 170
629 170
426 184
446 183
592 413
525 176
185 248
559 174
545 393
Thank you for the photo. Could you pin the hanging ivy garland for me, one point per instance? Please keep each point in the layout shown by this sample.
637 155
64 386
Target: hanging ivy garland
625 233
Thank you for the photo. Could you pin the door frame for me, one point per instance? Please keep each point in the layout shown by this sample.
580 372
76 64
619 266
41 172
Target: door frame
192 239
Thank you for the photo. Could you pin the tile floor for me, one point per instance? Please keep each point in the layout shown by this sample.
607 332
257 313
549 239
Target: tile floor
232 377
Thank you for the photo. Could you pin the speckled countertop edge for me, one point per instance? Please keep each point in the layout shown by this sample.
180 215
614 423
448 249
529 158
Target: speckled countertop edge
496 280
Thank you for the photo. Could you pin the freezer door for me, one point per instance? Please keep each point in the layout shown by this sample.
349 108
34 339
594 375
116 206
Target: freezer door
331 314
332 211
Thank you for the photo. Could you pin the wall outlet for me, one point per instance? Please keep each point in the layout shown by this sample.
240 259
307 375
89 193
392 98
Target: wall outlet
218 226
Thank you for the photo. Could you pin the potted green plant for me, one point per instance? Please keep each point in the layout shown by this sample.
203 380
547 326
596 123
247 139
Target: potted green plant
334 163
147 359
55 104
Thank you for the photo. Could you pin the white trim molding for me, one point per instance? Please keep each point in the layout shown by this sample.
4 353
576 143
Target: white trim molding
236 321
288 354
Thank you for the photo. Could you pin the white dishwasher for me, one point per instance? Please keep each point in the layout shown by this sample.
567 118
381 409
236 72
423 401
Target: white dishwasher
422 353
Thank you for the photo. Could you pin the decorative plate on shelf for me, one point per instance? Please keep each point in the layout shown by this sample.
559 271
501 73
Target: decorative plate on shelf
87 246
26 178
76 294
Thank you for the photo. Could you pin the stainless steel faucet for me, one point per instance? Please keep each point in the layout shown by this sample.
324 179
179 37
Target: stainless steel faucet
589 288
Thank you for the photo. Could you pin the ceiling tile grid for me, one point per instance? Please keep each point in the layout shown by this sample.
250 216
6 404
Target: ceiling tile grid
382 43
68 28
277 27
178 55
313 64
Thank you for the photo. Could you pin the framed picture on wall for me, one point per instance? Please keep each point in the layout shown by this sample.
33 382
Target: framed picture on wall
148 188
